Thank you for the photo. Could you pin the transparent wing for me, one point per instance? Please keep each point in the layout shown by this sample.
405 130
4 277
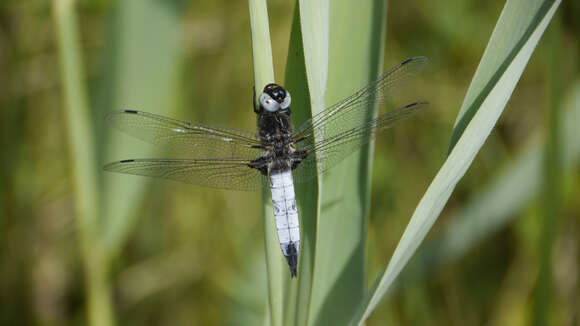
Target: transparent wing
197 140
338 131
326 153
351 112
219 173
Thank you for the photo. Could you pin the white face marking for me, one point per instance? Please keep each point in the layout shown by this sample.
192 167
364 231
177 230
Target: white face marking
286 103
268 103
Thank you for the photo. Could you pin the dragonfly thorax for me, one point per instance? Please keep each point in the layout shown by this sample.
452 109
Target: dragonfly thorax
274 126
276 134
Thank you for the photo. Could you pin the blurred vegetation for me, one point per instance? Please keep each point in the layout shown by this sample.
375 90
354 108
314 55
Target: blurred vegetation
184 255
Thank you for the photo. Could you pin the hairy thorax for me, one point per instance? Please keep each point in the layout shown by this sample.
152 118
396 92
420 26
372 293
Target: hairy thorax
276 134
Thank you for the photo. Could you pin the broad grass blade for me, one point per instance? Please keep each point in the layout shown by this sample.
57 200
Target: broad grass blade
499 78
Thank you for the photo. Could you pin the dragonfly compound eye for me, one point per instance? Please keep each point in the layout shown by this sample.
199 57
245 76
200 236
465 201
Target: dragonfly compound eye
276 92
268 103
286 102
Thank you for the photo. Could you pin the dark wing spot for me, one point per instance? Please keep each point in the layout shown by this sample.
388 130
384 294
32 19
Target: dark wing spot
415 103
126 161
131 111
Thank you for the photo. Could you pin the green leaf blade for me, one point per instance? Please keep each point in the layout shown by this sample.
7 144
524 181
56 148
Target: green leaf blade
306 76
356 53
515 27
462 154
140 79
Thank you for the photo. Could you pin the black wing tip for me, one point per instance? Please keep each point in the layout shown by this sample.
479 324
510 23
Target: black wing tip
418 103
111 167
111 115
416 58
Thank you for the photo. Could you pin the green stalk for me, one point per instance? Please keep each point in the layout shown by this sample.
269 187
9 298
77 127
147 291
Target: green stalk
264 74
552 187
82 148
261 44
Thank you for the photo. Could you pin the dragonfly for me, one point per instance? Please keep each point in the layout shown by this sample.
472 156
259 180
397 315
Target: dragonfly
277 155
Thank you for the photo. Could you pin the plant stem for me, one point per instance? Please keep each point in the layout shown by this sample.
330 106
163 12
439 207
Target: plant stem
82 151
552 193
264 74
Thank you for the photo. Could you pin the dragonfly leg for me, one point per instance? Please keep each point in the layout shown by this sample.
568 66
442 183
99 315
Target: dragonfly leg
297 157
260 164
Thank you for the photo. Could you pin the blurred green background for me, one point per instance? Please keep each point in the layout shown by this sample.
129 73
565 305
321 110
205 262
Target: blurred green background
184 255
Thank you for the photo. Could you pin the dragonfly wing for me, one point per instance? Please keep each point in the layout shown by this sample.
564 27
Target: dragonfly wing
352 111
230 174
186 138
329 151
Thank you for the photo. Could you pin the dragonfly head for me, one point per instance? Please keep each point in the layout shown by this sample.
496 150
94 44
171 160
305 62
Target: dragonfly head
274 98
